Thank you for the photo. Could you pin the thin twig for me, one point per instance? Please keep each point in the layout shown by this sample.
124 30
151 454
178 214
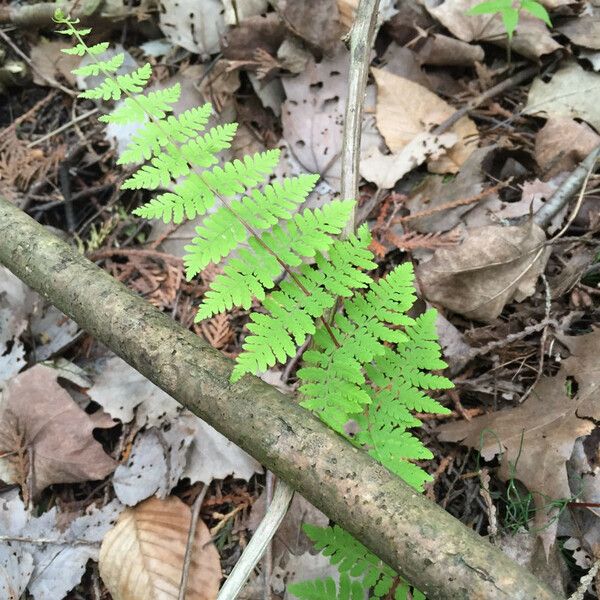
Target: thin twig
187 558
258 543
361 41
562 195
60 129
26 58
268 557
515 79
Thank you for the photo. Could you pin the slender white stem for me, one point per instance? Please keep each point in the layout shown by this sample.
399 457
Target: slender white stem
260 540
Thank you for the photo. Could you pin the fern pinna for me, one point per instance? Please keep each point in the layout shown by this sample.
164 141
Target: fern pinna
370 364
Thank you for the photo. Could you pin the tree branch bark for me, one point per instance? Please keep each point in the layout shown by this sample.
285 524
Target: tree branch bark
429 547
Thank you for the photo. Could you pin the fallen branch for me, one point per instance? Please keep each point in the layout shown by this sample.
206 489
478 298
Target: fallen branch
432 549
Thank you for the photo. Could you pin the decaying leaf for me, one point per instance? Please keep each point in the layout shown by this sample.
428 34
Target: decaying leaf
51 64
435 191
312 117
532 38
38 415
572 92
121 390
347 9
317 22
536 439
155 464
583 31
48 570
562 143
385 170
142 557
197 27
492 266
266 32
406 109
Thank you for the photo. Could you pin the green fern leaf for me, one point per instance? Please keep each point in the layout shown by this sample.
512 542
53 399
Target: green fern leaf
113 88
112 65
326 589
190 198
138 108
81 49
154 135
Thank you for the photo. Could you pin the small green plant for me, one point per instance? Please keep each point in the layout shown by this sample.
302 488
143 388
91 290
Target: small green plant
510 11
369 364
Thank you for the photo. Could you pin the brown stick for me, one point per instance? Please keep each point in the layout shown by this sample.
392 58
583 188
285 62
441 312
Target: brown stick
433 550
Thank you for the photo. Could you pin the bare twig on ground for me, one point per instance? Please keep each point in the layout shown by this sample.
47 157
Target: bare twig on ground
189 547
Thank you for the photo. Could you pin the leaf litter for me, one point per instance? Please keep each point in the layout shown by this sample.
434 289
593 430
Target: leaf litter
459 203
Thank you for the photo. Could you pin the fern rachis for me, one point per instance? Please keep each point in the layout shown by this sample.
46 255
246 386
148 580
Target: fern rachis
370 365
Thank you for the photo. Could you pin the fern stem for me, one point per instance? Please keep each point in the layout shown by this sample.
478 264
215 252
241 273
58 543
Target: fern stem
245 224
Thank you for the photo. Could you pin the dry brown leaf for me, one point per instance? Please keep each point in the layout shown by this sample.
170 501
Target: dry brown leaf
347 10
562 143
406 109
317 22
441 50
583 31
492 266
54 428
532 38
537 438
142 556
266 32
51 64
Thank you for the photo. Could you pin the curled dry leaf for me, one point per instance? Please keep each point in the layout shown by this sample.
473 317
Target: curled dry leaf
406 109
142 557
385 170
38 418
537 438
492 266
532 38
572 92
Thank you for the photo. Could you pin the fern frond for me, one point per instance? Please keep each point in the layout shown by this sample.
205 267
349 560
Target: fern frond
113 88
112 65
222 231
190 198
326 589
81 49
138 108
154 135
254 271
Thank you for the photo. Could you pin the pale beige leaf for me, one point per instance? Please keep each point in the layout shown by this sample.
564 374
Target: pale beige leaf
406 109
385 170
141 558
583 31
536 439
572 92
492 266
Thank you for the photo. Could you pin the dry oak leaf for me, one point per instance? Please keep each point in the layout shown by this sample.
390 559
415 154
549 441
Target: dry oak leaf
492 266
40 415
406 109
536 439
141 558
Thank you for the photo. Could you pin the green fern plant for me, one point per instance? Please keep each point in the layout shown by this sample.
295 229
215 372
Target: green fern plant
370 364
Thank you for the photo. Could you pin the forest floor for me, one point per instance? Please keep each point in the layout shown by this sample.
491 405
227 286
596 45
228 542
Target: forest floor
469 205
